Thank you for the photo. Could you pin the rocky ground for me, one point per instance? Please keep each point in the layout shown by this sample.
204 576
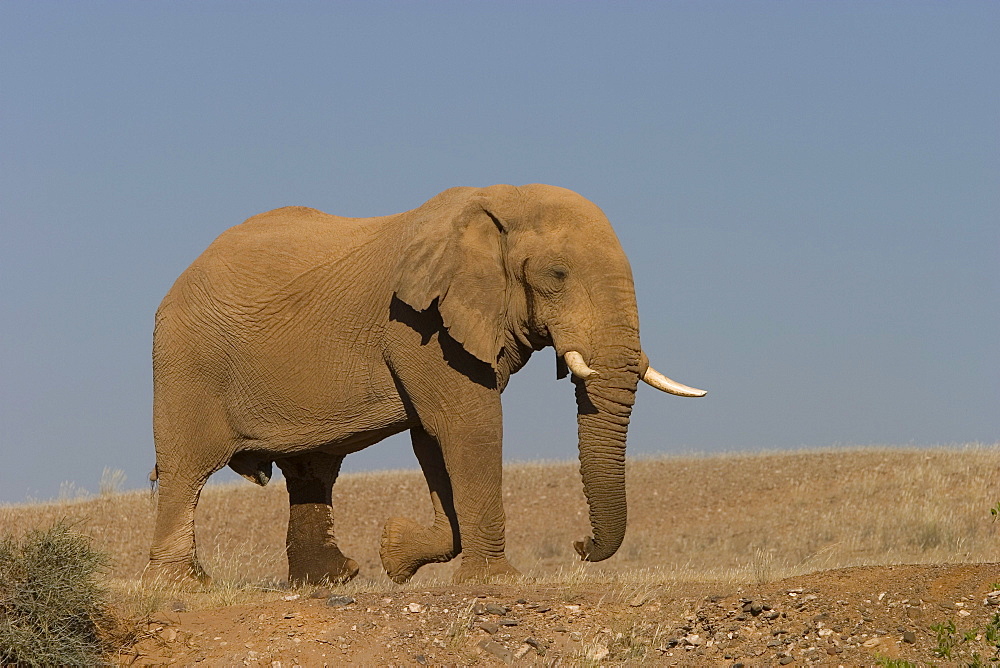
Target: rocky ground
927 614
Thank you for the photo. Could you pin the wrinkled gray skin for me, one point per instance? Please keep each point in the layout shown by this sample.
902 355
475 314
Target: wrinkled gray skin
299 337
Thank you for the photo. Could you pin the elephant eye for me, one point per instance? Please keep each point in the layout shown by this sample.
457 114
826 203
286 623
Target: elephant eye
558 272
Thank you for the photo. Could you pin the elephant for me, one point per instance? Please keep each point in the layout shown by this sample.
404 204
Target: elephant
299 337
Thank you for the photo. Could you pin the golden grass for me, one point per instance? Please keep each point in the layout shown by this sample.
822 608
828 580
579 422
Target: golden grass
732 517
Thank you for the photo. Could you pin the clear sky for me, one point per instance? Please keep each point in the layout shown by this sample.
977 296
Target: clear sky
809 193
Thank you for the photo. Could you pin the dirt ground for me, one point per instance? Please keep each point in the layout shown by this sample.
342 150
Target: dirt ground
851 617
848 556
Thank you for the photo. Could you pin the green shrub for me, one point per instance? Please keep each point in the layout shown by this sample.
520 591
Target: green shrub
52 609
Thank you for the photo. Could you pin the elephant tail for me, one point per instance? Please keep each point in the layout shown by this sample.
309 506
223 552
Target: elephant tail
154 475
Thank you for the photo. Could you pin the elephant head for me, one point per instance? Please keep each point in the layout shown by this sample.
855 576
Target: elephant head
516 269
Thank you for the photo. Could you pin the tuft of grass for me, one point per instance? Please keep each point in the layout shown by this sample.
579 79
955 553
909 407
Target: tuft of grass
458 631
946 640
53 611
112 482
70 491
887 662
761 565
634 643
950 639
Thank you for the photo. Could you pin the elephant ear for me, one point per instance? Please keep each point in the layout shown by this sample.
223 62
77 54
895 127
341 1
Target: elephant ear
453 253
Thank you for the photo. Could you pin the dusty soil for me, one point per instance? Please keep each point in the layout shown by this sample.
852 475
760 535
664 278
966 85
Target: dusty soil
702 530
850 617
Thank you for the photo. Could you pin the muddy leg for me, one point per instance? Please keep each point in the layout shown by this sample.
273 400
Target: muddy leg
313 555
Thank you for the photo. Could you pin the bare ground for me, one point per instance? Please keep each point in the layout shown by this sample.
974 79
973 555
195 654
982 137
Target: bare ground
840 557
851 617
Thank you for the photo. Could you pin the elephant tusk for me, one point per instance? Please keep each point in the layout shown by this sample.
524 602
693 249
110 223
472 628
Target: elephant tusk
664 384
574 361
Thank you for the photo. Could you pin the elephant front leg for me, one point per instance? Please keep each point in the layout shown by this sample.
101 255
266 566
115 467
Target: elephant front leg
313 554
473 458
407 545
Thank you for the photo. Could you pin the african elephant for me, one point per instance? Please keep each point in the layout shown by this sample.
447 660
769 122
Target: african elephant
299 337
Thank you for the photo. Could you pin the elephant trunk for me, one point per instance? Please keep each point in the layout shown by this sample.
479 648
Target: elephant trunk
604 404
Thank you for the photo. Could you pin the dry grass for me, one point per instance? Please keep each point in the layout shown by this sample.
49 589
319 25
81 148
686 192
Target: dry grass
734 517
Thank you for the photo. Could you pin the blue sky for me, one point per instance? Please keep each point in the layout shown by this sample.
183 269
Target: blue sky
809 194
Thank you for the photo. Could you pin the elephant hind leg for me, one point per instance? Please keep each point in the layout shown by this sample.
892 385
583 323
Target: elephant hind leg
313 554
193 441
407 545
173 554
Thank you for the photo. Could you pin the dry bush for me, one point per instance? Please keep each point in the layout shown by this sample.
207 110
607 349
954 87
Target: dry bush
53 610
732 517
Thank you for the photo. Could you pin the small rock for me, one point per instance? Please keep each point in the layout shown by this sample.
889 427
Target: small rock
756 609
479 609
494 609
694 639
964 613
290 597
909 637
576 636
536 643
507 621
572 608
773 614
521 601
992 598
522 650
169 635
420 658
497 650
786 659
416 608
489 627
542 608
639 599
825 632
339 601
833 650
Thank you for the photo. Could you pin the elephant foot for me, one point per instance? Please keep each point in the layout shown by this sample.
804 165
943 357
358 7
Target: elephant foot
481 569
185 575
336 570
406 546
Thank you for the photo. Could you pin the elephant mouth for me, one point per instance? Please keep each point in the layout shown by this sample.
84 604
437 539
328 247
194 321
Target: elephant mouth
576 364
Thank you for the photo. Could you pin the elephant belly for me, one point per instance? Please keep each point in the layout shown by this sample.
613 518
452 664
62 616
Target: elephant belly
303 411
